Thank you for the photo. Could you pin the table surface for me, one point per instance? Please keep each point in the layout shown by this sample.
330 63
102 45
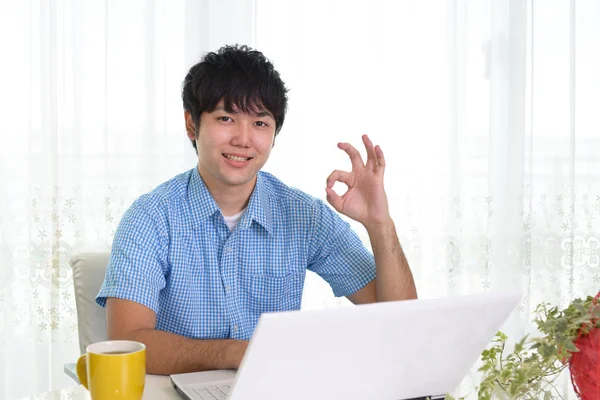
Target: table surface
157 388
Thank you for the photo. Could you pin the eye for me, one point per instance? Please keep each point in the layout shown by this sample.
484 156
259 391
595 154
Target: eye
224 118
261 124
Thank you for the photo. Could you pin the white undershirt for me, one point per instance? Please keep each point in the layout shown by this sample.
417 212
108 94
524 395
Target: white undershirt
233 220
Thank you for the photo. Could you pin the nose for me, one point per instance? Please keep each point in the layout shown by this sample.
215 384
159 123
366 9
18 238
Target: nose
242 136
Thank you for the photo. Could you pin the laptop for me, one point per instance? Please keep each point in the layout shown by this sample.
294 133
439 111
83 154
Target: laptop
401 350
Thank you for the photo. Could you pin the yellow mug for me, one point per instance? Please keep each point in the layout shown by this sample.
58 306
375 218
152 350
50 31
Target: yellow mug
113 370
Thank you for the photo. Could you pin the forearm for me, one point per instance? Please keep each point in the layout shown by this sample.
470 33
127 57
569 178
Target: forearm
168 353
394 279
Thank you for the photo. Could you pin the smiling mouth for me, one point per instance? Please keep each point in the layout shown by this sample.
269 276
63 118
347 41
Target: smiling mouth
236 158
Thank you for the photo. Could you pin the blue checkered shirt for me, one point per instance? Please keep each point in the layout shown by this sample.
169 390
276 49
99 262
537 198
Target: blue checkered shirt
173 253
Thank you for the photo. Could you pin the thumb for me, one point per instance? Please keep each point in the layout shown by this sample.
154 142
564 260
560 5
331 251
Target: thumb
334 199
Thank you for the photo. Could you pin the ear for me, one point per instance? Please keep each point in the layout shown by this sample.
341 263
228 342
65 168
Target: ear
190 126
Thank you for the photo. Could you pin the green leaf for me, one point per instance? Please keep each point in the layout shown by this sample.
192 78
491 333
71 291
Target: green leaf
535 362
570 346
521 344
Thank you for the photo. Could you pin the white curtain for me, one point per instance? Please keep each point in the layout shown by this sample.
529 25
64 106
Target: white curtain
486 111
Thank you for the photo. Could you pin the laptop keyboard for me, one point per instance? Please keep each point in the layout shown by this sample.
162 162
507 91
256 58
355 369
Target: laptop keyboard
211 392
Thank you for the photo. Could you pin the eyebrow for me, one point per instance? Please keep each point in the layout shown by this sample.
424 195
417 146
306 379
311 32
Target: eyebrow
259 114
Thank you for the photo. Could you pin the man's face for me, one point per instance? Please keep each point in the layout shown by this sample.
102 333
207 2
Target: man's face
232 147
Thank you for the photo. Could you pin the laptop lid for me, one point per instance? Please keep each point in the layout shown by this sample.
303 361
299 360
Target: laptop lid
394 350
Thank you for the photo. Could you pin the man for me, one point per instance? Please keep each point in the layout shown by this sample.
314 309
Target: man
197 260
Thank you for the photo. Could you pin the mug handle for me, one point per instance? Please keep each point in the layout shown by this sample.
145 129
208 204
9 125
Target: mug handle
82 371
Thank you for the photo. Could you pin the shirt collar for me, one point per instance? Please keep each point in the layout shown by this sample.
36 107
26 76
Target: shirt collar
203 205
259 207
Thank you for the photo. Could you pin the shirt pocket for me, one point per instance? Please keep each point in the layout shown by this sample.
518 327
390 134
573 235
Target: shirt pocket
270 293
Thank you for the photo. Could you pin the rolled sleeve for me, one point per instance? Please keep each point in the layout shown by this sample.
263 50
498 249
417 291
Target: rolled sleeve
337 254
135 268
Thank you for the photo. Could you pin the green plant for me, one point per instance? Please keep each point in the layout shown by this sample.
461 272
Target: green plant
529 371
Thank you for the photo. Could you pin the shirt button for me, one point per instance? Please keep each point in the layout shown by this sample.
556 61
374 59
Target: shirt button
228 249
227 288
235 328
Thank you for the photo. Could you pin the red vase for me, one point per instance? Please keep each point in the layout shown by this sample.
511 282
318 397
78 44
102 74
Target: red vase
585 366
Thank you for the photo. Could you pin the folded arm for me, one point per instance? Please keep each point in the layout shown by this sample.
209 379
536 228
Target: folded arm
168 353
394 280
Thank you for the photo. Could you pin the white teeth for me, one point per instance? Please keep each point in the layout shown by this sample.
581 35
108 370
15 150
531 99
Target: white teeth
236 158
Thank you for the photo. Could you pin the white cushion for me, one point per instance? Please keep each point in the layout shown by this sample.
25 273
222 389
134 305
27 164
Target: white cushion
88 275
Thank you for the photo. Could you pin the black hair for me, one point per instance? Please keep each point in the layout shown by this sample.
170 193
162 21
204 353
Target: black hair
244 78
